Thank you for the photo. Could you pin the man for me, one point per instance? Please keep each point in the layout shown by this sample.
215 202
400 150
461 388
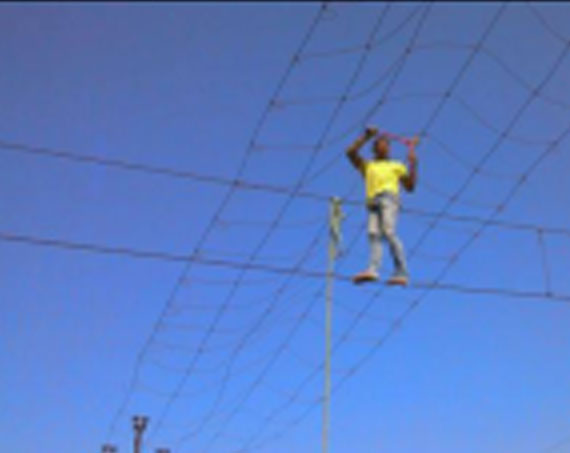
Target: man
382 177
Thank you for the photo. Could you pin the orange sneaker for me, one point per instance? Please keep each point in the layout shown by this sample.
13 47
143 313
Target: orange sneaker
398 279
365 276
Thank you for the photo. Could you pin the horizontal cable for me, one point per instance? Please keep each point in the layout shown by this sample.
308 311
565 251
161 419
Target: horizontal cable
249 185
170 257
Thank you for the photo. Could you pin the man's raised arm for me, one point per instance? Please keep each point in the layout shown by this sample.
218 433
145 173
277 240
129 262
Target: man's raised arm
352 150
409 181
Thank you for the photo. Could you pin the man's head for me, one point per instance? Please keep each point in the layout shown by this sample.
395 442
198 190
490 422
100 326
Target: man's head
381 147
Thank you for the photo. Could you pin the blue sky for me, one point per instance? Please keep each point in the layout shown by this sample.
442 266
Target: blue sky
226 359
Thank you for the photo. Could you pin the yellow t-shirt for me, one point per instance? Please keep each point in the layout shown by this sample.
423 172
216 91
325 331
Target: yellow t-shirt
383 176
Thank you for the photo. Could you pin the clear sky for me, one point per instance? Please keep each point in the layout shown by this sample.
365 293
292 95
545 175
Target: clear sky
167 103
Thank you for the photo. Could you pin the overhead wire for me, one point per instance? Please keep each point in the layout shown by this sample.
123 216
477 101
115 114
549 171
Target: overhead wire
369 46
265 238
337 109
497 210
239 184
379 102
412 306
547 26
240 265
255 384
546 272
290 67
396 324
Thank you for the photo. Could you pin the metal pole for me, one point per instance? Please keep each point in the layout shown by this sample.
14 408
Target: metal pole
139 425
335 218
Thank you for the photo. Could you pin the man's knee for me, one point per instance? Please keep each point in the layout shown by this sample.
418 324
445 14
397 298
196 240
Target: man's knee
388 231
374 236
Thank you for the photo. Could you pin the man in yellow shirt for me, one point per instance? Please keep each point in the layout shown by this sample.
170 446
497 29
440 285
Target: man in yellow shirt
382 178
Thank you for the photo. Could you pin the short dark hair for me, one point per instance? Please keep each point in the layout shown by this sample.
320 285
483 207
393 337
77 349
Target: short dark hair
383 137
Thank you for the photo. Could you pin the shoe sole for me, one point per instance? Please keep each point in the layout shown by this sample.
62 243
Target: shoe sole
358 280
398 281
